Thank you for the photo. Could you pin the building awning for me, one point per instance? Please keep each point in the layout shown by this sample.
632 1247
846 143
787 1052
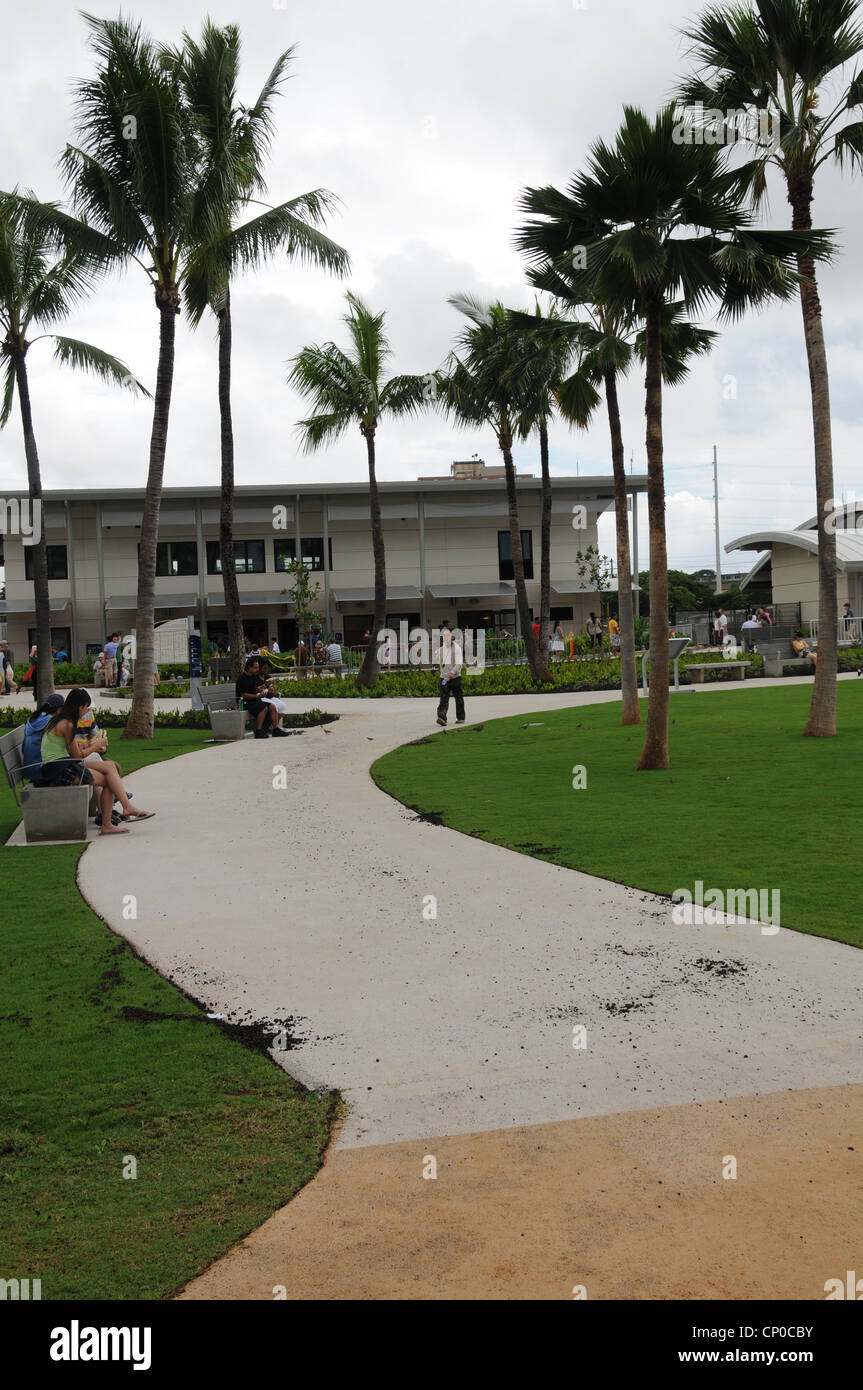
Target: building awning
128 603
491 589
250 597
27 605
394 593
849 544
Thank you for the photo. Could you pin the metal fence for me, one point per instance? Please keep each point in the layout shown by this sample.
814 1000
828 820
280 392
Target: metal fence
848 630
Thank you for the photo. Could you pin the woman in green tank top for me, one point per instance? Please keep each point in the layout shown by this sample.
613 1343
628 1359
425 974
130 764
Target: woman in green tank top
61 751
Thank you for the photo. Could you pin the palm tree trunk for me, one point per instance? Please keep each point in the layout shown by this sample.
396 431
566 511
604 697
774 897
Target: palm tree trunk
140 721
226 510
370 669
654 754
544 544
42 600
822 710
628 671
538 668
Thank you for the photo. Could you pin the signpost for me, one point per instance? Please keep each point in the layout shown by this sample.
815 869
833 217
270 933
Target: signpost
196 665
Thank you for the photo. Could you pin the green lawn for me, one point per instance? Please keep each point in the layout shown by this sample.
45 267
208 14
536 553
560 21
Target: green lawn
748 802
222 1137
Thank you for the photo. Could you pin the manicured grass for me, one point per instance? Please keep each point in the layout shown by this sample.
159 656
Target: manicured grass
222 1137
748 802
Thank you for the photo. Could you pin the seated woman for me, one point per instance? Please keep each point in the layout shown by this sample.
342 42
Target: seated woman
801 648
31 748
63 764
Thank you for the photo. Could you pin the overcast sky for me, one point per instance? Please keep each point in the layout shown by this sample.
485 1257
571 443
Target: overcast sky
426 120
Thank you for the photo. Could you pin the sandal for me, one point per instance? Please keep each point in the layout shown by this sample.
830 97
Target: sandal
138 815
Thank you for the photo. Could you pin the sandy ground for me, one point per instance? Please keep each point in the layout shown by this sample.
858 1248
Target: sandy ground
632 1206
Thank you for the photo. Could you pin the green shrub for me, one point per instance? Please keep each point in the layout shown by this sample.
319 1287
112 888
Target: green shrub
11 716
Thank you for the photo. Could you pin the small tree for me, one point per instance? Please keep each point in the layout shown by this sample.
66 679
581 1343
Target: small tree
304 596
594 570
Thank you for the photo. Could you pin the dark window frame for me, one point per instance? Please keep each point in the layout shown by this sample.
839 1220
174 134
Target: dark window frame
505 563
286 546
214 561
53 553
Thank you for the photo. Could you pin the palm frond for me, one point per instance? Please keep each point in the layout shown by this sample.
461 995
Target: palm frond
71 352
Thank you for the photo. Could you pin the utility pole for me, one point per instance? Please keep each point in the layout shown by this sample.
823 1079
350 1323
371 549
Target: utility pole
716 515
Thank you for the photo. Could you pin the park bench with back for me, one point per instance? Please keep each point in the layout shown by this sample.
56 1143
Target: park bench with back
778 653
227 720
49 813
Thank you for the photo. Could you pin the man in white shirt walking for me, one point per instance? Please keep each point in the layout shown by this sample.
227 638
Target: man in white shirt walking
451 666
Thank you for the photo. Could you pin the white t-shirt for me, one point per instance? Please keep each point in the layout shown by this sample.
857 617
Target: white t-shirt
721 622
275 648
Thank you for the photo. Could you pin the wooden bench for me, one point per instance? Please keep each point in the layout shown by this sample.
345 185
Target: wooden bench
696 671
49 813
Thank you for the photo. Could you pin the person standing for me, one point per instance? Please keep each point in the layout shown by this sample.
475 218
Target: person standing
557 643
451 666
848 621
275 648
720 627
614 636
594 632
7 670
110 650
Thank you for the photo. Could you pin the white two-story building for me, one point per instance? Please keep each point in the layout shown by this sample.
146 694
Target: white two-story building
447 543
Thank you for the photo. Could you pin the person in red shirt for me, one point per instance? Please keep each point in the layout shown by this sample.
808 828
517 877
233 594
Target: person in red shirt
536 630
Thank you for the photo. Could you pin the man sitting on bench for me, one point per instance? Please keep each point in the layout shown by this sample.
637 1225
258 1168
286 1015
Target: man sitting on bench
250 689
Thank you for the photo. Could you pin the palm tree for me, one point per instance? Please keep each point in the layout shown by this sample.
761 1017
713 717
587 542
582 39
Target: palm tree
552 344
653 222
39 287
348 388
134 176
234 142
776 59
490 380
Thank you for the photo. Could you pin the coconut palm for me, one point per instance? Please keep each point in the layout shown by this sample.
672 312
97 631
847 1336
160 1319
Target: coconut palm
234 141
491 380
773 62
134 177
348 388
654 221
542 375
39 287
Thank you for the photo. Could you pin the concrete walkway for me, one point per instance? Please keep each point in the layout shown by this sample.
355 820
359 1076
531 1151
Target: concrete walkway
303 905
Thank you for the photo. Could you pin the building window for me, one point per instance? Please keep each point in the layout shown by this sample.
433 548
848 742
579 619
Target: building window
560 615
504 554
61 640
176 557
248 557
57 566
285 550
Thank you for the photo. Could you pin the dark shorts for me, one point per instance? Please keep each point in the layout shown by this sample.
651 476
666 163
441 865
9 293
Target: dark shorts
254 707
63 772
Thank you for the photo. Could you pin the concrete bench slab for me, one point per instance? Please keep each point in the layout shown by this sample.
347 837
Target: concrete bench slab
697 669
55 813
227 724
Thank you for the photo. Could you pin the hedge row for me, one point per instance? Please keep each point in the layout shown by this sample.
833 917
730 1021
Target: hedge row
13 715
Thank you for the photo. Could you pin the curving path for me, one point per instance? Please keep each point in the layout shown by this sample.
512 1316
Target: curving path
304 902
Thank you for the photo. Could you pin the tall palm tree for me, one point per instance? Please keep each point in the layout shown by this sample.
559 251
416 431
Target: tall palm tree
777 58
553 347
234 141
490 381
348 388
39 287
134 176
655 221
